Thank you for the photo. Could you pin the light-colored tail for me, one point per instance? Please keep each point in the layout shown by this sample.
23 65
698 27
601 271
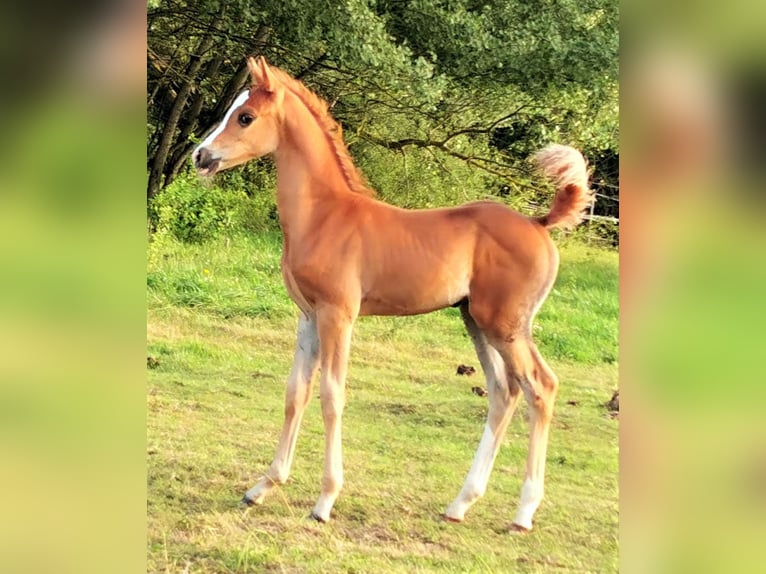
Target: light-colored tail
566 167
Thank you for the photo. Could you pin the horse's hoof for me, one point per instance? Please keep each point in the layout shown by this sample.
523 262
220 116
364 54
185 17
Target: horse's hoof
247 501
451 519
519 528
318 518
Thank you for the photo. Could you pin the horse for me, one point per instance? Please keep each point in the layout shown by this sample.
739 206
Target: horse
346 254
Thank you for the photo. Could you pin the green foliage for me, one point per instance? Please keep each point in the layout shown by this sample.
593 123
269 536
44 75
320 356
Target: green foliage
426 83
193 211
419 180
240 277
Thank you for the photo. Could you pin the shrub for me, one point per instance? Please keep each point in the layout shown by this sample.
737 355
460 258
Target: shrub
193 213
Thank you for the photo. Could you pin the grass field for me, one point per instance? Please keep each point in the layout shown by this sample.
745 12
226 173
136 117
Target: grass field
221 336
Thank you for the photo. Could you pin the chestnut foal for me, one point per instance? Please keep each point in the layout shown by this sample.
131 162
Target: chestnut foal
346 254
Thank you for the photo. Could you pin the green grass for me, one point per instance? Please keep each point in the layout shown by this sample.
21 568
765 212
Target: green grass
222 329
238 278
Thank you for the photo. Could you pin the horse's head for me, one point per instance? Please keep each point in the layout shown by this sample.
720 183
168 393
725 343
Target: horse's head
250 128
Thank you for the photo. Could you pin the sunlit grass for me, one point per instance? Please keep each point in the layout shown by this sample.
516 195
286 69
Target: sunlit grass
222 330
240 277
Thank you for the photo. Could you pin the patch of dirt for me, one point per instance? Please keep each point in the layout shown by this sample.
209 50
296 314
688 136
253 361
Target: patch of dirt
613 405
479 391
560 424
466 370
260 375
372 535
399 409
152 362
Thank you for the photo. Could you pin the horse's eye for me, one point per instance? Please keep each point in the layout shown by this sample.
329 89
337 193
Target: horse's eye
245 119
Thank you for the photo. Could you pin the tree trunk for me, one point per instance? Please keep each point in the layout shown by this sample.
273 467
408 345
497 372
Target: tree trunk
168 131
180 151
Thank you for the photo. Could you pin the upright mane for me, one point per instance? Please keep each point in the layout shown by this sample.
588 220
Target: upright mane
332 130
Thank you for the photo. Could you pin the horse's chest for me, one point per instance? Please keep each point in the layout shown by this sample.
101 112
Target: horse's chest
294 290
310 283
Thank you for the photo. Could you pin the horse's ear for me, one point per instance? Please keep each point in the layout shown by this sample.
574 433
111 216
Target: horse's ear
261 73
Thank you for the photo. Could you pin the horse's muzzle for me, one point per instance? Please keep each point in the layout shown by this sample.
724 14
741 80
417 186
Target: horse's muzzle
204 161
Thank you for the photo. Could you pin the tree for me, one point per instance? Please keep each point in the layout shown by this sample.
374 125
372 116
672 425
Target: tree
481 83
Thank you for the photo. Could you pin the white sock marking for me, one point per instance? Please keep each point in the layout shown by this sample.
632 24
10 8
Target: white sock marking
531 496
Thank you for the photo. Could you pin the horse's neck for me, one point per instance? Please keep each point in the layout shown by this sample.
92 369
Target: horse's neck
307 170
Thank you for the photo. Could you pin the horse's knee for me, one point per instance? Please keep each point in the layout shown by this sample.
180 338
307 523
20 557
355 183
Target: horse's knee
540 392
550 382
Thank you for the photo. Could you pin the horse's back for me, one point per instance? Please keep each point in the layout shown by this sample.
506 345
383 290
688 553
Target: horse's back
500 229
416 261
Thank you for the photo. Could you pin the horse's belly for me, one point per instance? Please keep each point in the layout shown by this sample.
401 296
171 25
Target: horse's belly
404 296
388 308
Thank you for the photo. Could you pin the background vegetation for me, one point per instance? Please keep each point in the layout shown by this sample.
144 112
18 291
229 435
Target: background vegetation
440 101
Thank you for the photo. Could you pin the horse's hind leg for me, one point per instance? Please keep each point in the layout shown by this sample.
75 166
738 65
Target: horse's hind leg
540 385
296 398
504 394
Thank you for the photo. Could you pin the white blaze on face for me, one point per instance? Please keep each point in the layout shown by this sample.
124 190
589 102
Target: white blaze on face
241 99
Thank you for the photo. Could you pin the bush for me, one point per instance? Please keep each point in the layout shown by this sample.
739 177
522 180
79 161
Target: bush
258 179
192 212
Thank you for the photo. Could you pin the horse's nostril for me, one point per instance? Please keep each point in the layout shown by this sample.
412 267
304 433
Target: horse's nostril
203 158
205 161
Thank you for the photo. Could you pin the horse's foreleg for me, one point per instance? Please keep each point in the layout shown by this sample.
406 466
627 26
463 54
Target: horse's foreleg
335 337
296 398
